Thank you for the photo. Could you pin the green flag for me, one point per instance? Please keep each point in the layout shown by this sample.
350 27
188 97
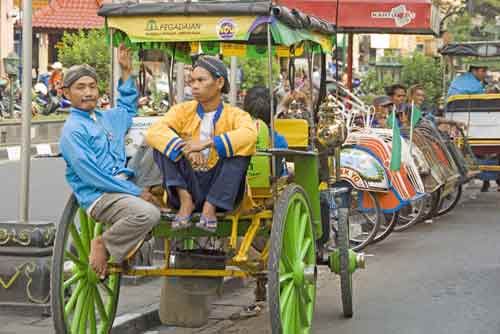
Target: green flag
416 115
396 142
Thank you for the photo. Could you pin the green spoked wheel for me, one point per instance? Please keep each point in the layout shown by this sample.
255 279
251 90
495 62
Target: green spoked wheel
292 264
81 302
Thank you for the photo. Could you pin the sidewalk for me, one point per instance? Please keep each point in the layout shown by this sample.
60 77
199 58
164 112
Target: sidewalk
137 310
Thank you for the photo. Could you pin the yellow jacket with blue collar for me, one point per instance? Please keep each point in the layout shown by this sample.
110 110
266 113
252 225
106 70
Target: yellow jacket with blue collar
235 133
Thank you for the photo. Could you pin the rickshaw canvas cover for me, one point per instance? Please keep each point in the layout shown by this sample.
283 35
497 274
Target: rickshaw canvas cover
184 28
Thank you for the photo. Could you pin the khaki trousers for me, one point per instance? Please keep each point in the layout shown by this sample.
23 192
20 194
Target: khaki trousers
130 217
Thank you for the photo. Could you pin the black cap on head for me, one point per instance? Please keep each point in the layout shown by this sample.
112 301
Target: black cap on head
216 67
382 101
78 71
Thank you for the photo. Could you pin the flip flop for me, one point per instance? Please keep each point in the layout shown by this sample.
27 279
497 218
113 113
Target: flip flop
181 223
206 224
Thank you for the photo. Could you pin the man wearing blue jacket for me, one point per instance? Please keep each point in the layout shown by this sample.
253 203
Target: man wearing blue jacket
470 82
92 144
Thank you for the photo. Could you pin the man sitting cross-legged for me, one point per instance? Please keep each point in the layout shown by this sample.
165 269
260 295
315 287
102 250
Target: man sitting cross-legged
203 149
93 146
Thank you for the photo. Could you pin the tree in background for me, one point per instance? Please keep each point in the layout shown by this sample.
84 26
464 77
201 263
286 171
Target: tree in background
255 71
417 69
425 71
87 48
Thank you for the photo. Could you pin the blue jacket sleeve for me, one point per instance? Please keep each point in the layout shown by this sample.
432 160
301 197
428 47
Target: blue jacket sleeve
126 106
280 141
81 159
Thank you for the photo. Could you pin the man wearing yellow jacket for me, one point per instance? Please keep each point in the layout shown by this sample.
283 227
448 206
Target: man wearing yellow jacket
203 148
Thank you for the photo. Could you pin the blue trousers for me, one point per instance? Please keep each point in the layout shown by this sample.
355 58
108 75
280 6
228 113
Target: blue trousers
223 185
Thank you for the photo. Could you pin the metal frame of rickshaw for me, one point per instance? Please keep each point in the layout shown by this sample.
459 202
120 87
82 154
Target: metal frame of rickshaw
247 226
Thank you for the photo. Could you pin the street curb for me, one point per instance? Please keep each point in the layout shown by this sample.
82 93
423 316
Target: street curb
147 317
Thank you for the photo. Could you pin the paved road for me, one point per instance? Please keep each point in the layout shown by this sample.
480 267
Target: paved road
436 278
48 189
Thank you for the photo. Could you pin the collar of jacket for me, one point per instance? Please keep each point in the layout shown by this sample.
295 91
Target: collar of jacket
81 112
218 112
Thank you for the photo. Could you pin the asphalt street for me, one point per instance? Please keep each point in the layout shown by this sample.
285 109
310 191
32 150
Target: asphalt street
48 189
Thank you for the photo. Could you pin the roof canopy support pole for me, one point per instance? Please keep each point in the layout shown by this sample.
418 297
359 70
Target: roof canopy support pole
26 112
350 60
181 81
233 96
271 90
115 74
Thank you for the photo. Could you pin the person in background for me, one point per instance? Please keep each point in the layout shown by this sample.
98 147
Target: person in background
470 83
383 106
257 104
56 79
397 94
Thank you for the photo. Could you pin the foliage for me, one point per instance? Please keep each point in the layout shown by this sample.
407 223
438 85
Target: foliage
87 48
255 71
417 69
425 71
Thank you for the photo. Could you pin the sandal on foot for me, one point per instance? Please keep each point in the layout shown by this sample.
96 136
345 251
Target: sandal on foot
206 224
181 223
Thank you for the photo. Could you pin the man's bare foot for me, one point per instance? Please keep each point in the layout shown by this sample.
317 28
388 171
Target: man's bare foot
187 206
209 211
98 257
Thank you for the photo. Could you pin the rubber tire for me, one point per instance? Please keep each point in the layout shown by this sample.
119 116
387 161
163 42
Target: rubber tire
357 246
404 227
390 226
435 202
345 274
279 215
57 304
442 211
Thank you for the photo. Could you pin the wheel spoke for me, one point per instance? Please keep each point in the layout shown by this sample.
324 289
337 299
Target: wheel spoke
306 246
285 295
285 263
85 314
100 306
288 313
294 218
77 315
98 229
84 231
303 307
77 242
304 295
73 279
72 257
303 222
92 320
107 289
91 227
70 305
285 277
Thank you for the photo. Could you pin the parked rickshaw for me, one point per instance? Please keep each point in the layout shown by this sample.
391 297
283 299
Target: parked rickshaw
284 213
480 112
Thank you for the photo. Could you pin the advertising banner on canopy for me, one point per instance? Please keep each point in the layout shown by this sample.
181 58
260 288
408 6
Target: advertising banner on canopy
184 28
374 16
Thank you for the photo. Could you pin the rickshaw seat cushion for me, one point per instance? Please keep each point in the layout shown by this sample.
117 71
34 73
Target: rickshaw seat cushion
295 131
477 102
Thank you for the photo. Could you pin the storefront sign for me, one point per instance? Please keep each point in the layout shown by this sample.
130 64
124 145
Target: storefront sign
400 14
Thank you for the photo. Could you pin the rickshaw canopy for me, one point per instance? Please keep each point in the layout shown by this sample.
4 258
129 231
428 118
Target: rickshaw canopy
472 49
224 24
